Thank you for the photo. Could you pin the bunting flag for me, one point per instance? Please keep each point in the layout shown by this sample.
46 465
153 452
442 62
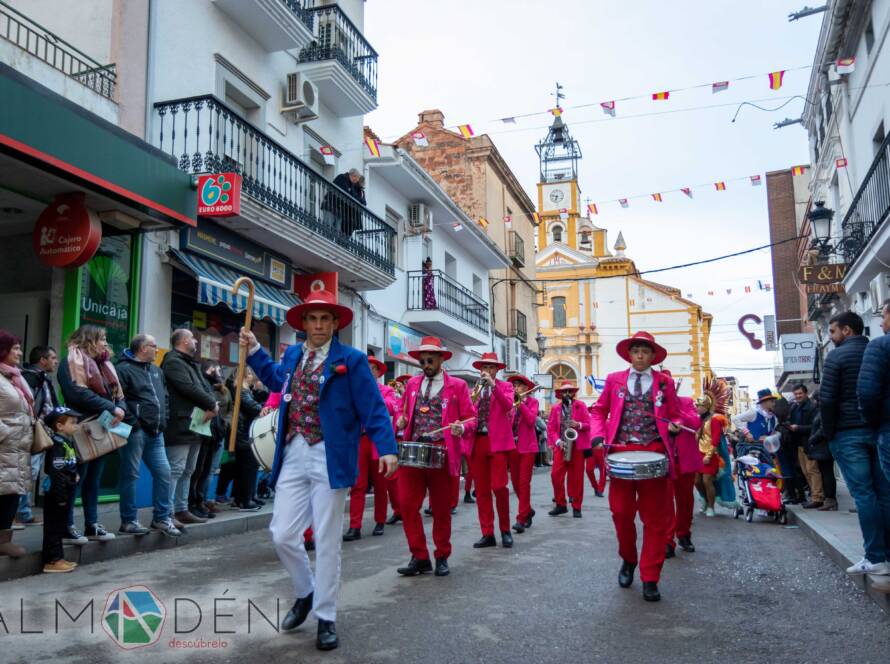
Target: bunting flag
508 221
483 222
373 146
798 170
719 86
656 198
747 289
328 153
755 180
420 139
729 291
720 186
591 208
660 96
564 214
457 226
556 112
845 65
508 120
623 202
466 131
840 163
689 295
775 79
687 191
536 218
608 108
710 292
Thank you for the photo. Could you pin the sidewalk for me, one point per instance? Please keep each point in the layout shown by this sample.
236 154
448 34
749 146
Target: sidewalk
838 535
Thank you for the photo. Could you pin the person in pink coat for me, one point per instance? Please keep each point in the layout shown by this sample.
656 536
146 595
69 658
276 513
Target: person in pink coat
392 483
681 489
490 453
568 413
638 411
431 401
522 458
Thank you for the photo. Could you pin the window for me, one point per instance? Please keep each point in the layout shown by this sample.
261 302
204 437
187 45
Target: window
878 139
427 250
585 237
561 372
477 286
869 37
556 232
558 309
450 266
395 220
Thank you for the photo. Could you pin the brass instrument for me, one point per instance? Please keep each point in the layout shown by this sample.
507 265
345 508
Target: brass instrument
477 389
569 438
517 398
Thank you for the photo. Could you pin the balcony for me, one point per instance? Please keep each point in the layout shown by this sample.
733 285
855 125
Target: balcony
292 208
439 305
870 207
32 37
517 249
277 25
340 62
518 325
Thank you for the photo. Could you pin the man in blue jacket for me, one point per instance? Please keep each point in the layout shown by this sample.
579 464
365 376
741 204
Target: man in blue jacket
874 388
328 398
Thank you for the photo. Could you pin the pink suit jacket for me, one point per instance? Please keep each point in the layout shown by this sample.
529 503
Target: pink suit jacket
528 437
391 399
456 407
579 414
500 419
689 459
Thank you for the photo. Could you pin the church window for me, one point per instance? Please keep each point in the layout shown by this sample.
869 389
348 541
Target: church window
558 306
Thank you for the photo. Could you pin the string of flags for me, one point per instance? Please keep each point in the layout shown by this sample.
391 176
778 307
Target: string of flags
762 286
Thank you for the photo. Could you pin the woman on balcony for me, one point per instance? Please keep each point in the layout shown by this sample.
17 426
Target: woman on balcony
429 285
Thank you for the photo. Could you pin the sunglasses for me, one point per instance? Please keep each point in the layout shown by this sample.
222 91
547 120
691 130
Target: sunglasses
427 361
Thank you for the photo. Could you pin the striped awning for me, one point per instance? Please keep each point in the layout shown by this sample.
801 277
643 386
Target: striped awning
215 286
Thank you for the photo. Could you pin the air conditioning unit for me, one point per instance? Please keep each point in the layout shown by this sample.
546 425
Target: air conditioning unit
420 218
514 354
300 102
879 290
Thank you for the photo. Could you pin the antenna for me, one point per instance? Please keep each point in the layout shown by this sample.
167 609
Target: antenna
558 94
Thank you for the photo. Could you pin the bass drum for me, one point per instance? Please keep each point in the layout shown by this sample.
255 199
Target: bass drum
262 435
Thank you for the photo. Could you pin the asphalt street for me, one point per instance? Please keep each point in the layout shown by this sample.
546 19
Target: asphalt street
750 593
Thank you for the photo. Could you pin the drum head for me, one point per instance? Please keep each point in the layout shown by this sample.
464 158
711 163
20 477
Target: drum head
635 457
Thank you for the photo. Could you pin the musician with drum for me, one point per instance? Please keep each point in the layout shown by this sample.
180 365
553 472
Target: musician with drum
568 434
436 414
392 483
635 416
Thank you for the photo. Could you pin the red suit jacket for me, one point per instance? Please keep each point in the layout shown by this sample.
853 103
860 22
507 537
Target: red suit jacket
689 460
528 437
579 414
500 418
456 406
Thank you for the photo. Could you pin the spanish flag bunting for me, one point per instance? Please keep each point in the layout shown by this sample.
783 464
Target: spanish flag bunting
798 170
719 86
755 180
457 226
591 208
840 163
687 191
660 96
656 198
564 214
556 112
483 222
328 153
420 139
466 131
845 65
508 221
608 107
373 146
710 292
623 202
747 289
775 79
632 302
536 218
720 186
596 305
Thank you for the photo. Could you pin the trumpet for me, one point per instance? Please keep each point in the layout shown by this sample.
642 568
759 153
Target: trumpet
517 398
477 389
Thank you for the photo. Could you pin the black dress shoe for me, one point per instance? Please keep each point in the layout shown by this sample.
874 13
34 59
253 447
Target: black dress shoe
528 522
259 501
650 591
378 530
416 566
393 520
576 513
599 494
428 511
559 509
669 551
310 545
297 614
626 574
507 540
352 534
486 541
327 635
453 511
519 527
442 567
686 544
468 498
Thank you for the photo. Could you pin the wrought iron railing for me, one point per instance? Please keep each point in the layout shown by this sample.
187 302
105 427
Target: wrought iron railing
206 136
435 290
302 10
870 206
32 37
517 248
337 38
518 325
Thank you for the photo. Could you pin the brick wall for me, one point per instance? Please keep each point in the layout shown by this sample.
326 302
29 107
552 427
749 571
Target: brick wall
785 259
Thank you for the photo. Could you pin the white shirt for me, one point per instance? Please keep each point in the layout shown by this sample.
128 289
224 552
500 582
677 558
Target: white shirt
321 354
739 421
645 380
438 382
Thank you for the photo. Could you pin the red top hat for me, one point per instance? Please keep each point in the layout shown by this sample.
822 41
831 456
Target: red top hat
624 345
519 378
403 379
377 363
567 385
430 345
489 358
320 299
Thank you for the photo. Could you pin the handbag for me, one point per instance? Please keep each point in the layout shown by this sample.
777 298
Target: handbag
92 440
42 438
262 439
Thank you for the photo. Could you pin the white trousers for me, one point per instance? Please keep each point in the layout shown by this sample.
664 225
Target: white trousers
303 498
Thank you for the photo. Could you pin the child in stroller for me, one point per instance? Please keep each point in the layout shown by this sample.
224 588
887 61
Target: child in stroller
758 482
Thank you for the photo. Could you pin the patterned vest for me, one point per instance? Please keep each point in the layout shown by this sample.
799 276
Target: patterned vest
483 410
516 426
303 413
566 415
638 426
428 416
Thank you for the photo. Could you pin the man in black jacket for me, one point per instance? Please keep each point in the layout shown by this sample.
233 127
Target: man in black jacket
800 425
874 388
853 444
189 391
148 405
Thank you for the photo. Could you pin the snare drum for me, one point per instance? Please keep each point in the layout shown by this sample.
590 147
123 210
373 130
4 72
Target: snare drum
262 439
637 465
414 454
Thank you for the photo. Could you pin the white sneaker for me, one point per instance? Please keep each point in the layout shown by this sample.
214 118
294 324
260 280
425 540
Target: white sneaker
710 512
864 566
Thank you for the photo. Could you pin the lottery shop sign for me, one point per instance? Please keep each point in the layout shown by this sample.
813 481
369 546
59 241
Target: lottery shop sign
67 233
219 195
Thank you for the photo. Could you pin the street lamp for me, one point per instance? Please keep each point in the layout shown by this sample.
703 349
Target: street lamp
820 219
541 340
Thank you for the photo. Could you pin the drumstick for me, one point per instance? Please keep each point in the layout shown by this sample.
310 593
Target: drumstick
664 419
466 421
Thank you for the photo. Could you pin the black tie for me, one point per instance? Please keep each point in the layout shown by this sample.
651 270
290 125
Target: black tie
638 386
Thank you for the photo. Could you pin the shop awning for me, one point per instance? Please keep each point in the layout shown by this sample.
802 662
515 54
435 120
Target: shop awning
215 286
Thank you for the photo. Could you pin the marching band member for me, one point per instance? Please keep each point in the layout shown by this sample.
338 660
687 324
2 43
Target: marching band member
329 396
432 400
392 483
367 454
522 459
568 413
595 466
490 453
681 492
630 415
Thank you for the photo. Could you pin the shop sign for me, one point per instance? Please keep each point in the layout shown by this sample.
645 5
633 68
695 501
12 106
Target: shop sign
219 195
399 340
304 284
210 239
798 352
830 273
821 289
770 333
67 233
106 292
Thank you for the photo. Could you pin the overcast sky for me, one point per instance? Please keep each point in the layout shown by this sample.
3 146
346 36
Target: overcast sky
479 60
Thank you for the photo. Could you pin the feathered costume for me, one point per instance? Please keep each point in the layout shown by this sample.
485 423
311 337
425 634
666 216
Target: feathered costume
712 439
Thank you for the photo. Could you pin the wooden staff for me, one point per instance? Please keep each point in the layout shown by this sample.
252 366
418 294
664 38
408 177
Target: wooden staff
242 357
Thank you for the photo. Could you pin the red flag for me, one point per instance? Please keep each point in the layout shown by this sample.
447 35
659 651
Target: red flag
687 191
608 107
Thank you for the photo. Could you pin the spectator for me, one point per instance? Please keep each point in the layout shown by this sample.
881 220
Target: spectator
792 479
348 214
148 408
90 386
853 444
220 430
246 466
16 436
42 361
61 468
188 390
874 388
429 285
198 504
816 448
800 427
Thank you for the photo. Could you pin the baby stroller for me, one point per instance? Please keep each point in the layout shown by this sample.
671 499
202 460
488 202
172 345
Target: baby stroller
758 483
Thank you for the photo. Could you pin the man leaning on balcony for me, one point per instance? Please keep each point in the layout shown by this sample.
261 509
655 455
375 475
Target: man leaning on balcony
339 211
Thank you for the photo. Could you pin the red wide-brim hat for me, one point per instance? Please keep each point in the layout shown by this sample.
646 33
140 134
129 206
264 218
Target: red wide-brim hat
489 358
566 386
624 345
377 363
519 378
316 300
430 345
404 378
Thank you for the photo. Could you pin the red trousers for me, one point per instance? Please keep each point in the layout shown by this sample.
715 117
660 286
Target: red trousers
367 465
649 498
413 484
681 500
521 468
569 474
490 473
392 489
468 485
594 463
